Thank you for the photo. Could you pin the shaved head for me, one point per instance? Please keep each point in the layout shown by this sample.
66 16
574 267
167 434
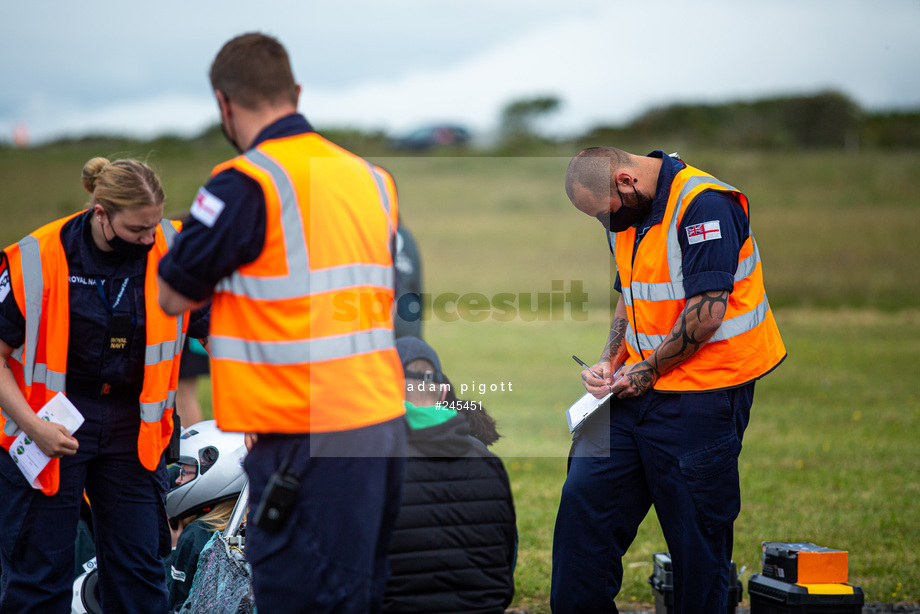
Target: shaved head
593 169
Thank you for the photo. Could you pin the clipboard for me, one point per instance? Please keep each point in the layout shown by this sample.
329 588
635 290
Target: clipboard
583 408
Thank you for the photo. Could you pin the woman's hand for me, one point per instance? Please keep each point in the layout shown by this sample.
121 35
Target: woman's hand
52 438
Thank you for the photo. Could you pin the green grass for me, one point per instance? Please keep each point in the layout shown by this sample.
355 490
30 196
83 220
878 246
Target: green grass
832 454
835 229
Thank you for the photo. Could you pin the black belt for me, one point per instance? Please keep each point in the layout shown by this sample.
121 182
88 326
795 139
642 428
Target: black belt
102 389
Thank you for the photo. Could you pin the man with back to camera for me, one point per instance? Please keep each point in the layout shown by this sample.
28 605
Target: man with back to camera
691 332
275 235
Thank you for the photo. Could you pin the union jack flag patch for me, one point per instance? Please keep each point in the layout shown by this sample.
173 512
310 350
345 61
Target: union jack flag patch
707 231
4 277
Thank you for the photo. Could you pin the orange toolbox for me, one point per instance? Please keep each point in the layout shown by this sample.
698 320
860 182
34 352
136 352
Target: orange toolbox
804 563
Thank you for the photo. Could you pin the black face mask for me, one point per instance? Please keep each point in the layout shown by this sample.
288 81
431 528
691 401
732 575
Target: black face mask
626 216
128 249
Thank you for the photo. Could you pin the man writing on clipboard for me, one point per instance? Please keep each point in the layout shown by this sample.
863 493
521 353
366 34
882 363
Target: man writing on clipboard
691 332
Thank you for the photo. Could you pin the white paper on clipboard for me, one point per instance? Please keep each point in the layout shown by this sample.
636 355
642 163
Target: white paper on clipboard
26 454
582 408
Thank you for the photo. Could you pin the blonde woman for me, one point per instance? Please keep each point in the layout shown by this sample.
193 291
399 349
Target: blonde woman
79 316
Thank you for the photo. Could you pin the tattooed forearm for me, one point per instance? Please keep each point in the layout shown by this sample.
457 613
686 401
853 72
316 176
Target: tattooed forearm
710 306
616 341
699 320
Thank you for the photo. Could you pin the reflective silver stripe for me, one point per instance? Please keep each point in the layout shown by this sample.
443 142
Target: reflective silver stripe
656 292
301 352
33 285
746 267
742 323
647 343
153 412
315 282
56 381
349 276
294 285
180 336
674 255
730 328
157 353
669 291
380 180
51 379
297 282
169 232
165 351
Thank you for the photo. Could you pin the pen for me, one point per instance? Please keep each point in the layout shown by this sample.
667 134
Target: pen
590 370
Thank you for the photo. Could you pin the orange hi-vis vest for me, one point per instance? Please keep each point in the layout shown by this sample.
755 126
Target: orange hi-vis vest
39 275
745 347
283 359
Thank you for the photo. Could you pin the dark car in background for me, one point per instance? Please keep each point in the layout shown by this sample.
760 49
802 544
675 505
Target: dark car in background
432 137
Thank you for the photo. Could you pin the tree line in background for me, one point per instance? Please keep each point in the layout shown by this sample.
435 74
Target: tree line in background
825 120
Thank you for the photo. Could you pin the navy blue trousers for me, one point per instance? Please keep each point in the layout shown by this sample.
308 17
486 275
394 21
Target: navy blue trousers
127 501
330 556
678 452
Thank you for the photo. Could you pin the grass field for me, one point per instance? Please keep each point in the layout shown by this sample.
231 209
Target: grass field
832 454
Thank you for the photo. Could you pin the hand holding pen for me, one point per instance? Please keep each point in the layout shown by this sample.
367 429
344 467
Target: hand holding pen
598 390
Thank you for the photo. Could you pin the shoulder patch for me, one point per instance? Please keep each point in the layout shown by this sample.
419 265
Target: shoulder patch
207 207
707 231
5 285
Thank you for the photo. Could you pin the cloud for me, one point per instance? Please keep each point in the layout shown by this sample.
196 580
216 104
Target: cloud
395 65
141 118
611 65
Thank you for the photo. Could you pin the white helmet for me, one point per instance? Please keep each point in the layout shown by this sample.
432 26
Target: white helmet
218 461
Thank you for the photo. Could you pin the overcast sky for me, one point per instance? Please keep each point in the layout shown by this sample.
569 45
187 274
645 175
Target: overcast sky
140 68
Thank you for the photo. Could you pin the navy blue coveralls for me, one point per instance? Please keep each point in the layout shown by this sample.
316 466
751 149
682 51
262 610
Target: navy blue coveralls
676 451
127 500
330 556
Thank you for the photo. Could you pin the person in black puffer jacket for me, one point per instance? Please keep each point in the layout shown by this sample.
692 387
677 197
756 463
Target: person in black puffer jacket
454 545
